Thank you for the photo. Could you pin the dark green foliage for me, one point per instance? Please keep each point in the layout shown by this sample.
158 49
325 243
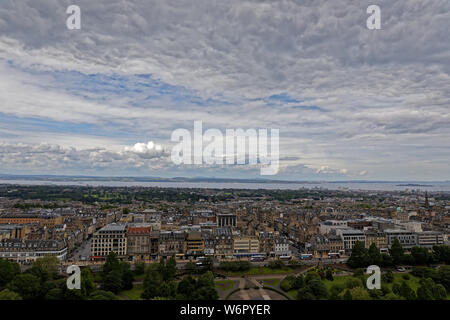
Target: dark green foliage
359 257
139 268
387 277
396 252
235 266
8 270
26 285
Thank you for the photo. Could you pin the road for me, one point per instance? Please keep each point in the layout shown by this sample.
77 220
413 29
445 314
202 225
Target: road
82 251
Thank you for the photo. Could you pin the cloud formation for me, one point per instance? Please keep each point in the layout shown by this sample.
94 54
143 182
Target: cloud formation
347 100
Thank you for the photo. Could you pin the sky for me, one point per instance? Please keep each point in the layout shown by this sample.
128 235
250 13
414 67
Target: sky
350 103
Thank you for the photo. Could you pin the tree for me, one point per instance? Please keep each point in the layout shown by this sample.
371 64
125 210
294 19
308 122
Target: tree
359 258
87 282
396 252
112 263
318 289
8 270
127 276
48 264
102 295
139 267
27 285
420 255
152 283
439 292
425 291
347 295
305 294
6 294
359 293
171 269
329 275
386 260
113 281
407 292
388 277
443 277
441 254
375 257
186 287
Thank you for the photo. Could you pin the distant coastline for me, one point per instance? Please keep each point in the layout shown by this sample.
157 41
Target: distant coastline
222 183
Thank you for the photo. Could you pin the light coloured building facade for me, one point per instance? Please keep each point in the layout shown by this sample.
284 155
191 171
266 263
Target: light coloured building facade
111 237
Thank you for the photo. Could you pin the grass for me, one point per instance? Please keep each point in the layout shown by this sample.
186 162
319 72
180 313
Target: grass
224 285
270 282
135 293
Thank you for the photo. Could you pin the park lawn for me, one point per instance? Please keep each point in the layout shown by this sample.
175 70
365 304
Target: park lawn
224 285
261 271
413 281
338 280
271 282
135 293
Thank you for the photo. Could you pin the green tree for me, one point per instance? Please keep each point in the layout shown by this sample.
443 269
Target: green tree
113 282
359 258
359 293
388 277
152 283
425 291
396 252
8 270
375 257
112 263
407 292
420 255
102 295
27 285
49 264
6 294
329 275
186 287
347 295
319 289
127 276
305 294
87 282
139 267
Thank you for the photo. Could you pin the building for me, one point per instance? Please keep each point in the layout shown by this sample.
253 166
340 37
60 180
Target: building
226 220
139 241
15 231
26 251
245 246
408 239
428 239
46 220
378 238
171 243
350 237
322 246
194 244
110 238
223 242
281 247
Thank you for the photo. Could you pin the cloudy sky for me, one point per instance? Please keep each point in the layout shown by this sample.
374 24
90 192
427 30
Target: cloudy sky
350 103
